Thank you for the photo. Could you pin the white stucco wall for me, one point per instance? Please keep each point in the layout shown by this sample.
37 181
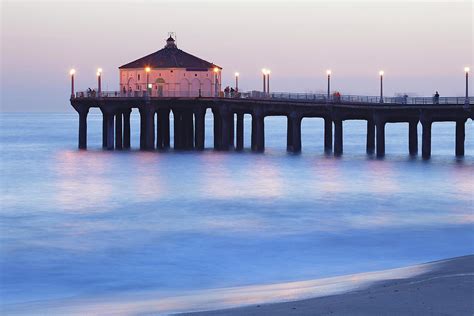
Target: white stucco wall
171 81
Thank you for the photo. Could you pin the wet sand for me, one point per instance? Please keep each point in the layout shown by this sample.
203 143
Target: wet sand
437 288
446 288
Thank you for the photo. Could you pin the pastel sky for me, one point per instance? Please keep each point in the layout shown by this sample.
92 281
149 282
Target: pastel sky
422 46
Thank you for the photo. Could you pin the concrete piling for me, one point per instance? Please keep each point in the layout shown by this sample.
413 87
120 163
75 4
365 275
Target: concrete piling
240 131
460 136
338 135
380 137
83 129
413 137
370 141
126 128
426 139
327 134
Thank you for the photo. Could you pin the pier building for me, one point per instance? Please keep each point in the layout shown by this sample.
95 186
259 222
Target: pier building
170 72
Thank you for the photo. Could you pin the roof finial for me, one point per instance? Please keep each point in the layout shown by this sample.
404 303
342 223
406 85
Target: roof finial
170 42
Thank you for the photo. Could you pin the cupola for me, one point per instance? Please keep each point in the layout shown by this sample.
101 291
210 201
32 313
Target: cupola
170 43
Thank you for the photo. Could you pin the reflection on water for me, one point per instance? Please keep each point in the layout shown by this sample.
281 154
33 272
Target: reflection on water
97 223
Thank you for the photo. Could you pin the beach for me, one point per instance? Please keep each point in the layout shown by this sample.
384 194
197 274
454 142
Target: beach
445 288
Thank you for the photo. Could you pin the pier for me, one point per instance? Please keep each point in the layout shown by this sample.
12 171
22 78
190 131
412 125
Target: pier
188 115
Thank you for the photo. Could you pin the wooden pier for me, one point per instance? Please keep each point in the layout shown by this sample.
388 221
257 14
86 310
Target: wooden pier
228 113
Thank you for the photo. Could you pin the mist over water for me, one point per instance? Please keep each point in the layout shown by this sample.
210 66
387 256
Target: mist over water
90 223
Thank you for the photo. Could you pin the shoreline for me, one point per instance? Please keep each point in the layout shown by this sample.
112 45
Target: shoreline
444 287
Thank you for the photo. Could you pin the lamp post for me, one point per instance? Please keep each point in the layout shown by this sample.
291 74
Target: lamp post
72 72
381 73
147 70
236 82
268 81
216 81
328 72
264 73
99 80
466 100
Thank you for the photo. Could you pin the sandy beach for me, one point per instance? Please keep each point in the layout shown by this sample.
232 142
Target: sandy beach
443 287
446 288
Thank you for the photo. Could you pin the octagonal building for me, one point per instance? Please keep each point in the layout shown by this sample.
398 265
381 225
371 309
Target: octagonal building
171 73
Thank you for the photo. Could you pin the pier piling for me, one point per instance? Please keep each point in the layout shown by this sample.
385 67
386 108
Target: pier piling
327 134
178 130
240 131
258 131
370 142
295 132
110 131
150 129
217 129
338 135
142 129
118 131
159 130
460 136
83 128
380 137
104 129
426 139
126 128
413 137
166 128
199 118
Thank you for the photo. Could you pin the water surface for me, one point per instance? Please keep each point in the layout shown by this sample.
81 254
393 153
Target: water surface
98 223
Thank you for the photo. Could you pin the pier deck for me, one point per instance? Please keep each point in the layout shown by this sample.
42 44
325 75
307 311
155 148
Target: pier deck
189 123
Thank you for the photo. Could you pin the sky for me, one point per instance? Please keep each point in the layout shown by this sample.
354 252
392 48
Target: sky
422 46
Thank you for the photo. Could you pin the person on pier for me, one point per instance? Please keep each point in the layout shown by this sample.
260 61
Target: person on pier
436 98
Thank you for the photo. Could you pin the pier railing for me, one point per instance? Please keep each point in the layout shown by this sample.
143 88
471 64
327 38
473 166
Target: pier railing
283 96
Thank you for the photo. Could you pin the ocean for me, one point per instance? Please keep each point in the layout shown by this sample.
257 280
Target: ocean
96 223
